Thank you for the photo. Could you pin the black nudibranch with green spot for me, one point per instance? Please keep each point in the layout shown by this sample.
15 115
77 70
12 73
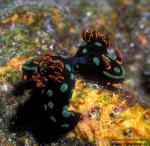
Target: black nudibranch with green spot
97 61
53 76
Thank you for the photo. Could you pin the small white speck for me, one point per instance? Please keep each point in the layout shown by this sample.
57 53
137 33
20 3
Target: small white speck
12 27
88 14
130 82
133 68
118 35
39 53
141 26
132 44
43 41
4 87
13 43
51 47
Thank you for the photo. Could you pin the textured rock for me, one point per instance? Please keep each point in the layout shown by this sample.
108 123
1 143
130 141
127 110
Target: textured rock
28 28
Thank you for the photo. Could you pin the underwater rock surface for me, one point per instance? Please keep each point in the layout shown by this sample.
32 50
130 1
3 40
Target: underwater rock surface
31 28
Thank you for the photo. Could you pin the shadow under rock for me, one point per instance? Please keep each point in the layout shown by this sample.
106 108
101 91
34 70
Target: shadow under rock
31 117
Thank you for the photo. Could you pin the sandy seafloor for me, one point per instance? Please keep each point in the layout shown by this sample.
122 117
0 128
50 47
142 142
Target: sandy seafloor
32 27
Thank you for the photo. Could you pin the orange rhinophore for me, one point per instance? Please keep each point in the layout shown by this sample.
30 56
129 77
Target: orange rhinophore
51 70
118 56
91 35
106 62
25 77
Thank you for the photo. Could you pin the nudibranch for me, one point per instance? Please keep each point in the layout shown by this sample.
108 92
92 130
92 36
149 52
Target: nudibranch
97 59
53 78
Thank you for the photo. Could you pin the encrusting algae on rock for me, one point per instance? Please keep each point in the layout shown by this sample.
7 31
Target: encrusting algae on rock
112 116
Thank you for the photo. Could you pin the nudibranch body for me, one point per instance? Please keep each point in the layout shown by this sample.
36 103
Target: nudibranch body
97 59
53 78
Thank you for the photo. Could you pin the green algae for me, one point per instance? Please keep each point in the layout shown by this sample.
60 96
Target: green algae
15 76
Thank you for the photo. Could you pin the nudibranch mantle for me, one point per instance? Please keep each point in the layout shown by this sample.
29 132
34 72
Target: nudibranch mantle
98 59
53 76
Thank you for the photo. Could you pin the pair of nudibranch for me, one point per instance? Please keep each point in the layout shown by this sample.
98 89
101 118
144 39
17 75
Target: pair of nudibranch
53 76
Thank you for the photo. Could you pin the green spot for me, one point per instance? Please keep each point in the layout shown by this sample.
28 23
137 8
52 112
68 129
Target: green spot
98 44
77 66
72 76
53 118
113 76
65 126
42 91
63 56
117 70
45 107
68 68
49 93
29 68
66 114
84 51
55 61
96 60
50 105
64 87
